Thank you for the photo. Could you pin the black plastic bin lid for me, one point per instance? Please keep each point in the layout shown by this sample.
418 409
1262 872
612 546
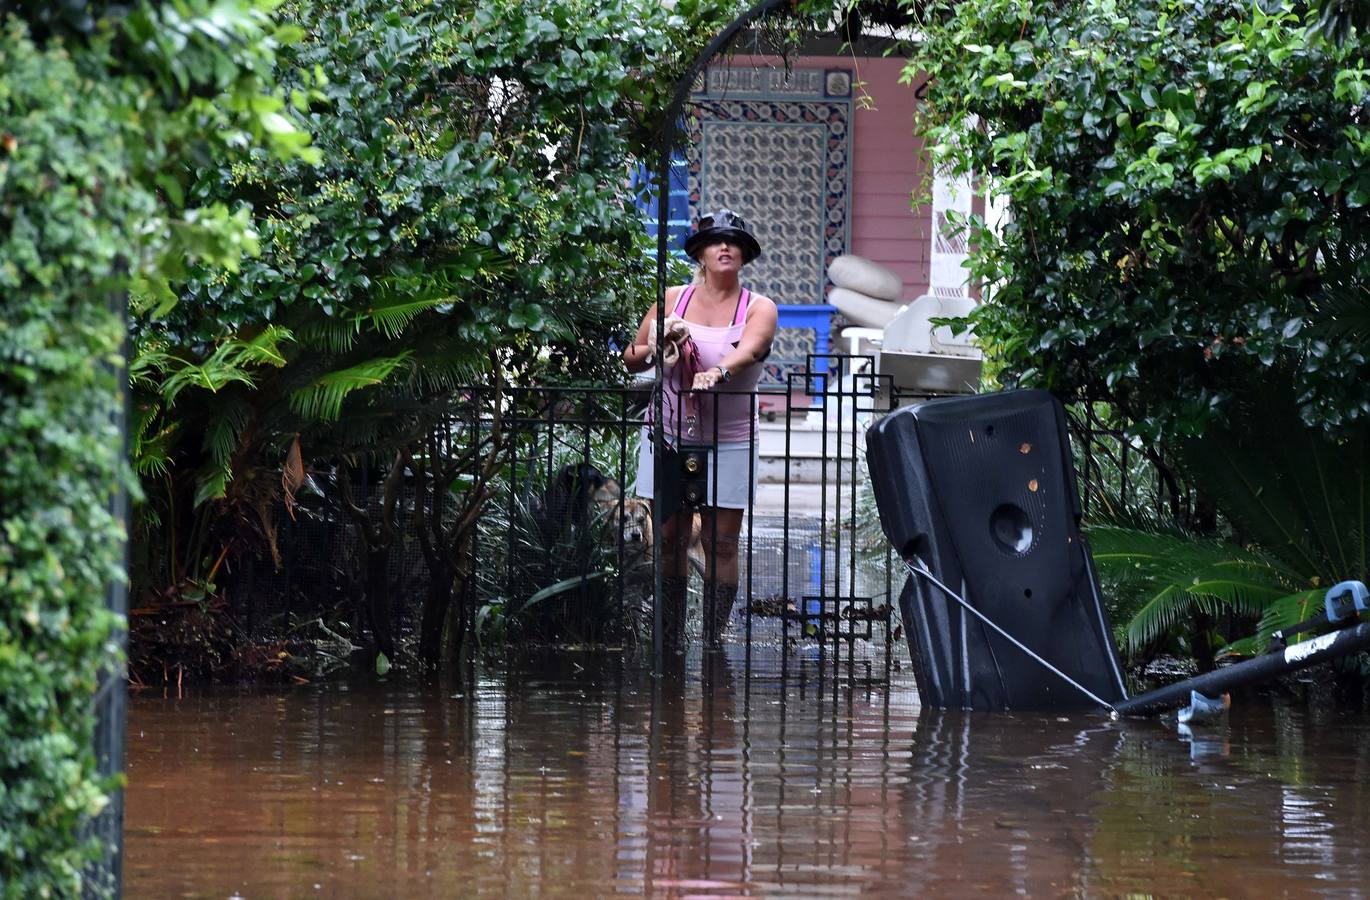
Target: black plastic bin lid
982 490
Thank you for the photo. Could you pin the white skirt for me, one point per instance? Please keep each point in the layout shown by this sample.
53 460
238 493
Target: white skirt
732 472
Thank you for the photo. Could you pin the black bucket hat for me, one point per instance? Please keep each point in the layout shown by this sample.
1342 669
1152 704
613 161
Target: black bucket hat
722 225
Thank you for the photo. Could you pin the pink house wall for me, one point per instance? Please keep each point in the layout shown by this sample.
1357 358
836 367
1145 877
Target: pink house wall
887 166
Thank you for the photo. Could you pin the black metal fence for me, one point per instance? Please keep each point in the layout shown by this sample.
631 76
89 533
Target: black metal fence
1123 478
522 506
554 551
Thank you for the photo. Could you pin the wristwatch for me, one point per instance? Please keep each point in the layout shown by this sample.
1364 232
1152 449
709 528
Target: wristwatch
723 374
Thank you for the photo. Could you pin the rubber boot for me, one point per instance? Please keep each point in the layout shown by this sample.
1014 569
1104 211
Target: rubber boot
673 588
718 607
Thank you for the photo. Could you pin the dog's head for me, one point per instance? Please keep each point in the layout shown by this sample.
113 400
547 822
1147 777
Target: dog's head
635 525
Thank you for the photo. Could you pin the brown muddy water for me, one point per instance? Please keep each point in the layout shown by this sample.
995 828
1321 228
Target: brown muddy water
584 776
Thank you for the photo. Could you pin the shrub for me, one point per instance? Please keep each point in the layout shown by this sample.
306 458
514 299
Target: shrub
94 115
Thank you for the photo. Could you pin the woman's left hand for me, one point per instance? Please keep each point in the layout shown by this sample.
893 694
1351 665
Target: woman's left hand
707 380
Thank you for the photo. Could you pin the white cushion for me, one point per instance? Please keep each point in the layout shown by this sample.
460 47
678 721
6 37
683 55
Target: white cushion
862 309
856 273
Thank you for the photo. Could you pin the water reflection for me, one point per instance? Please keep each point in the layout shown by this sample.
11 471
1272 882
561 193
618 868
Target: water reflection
730 776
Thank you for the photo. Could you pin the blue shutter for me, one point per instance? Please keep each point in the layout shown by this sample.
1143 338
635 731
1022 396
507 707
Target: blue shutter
678 210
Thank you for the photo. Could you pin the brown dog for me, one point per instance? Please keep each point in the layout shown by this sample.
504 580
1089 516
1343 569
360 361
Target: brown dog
632 523
636 530
629 520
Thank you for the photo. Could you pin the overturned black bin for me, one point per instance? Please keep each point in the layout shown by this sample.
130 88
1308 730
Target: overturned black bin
1002 608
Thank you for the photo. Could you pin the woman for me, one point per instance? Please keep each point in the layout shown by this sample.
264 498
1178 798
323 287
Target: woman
730 331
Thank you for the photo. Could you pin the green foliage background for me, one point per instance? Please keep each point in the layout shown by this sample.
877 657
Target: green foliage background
1187 189
326 214
466 221
97 101
1186 198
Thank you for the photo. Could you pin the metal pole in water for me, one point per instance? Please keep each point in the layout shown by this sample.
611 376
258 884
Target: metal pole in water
1253 671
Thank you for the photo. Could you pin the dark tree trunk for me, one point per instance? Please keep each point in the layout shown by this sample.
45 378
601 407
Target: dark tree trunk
377 535
435 606
1201 642
460 619
378 599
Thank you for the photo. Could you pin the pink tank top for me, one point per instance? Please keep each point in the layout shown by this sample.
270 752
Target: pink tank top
734 402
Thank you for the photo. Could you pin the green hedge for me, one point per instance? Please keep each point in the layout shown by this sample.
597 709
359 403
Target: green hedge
63 217
105 111
1187 187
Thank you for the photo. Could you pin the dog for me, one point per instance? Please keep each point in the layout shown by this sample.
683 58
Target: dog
631 523
569 498
627 535
634 527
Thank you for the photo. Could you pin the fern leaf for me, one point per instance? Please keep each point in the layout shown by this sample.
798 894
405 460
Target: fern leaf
335 336
210 375
151 450
1171 576
265 348
392 315
323 397
221 434
212 484
1288 611
1157 616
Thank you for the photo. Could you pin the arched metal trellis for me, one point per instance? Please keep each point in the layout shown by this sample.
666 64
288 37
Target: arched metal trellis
666 141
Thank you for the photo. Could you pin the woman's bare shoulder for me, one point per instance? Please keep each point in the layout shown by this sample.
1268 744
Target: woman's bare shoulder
760 301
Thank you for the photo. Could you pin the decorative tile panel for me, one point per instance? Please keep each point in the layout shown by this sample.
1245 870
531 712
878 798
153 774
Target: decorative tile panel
774 175
775 147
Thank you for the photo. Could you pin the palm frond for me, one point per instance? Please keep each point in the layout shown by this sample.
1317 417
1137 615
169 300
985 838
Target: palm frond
1158 579
449 371
1294 491
265 348
150 449
335 336
225 424
213 375
1341 311
1282 614
211 483
392 314
323 397
228 364
1289 611
1344 312
146 364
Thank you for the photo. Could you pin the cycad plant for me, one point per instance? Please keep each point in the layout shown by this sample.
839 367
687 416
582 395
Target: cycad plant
550 560
1295 499
1167 583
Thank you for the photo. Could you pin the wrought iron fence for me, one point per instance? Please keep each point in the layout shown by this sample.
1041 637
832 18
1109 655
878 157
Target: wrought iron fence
555 551
1121 477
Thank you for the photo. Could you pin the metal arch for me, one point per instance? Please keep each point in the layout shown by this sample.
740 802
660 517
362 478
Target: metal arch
665 143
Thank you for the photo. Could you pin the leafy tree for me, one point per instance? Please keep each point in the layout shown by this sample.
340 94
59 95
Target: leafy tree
466 222
1186 186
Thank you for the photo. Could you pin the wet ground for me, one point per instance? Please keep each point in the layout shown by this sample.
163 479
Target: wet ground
583 776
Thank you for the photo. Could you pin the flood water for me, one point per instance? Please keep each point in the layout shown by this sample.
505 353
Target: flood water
584 776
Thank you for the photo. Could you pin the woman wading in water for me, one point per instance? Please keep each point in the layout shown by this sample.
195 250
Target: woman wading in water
718 333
